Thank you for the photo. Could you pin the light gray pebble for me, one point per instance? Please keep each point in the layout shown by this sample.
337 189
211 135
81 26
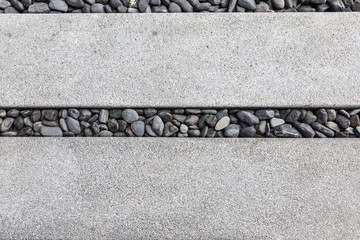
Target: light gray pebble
4 4
331 114
97 8
179 117
183 128
39 8
63 113
333 126
183 134
2 111
279 4
119 134
138 128
6 124
191 120
58 5
103 116
149 112
63 125
274 122
28 122
222 123
130 115
232 130
355 112
51 131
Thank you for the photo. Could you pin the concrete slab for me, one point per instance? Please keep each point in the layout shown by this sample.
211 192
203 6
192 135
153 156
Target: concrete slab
179 189
187 60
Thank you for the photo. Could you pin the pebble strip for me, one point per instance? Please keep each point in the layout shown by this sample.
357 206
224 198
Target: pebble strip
283 123
175 6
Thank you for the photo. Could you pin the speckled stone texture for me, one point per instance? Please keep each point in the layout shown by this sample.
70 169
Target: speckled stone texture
180 60
179 189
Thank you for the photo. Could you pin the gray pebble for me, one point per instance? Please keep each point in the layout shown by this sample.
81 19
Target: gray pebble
202 121
88 132
119 134
191 120
122 125
321 128
115 3
248 118
25 132
183 134
192 111
132 10
247 4
84 125
37 126
85 115
130 115
97 8
331 114
247 132
6 124
165 116
63 125
103 115
355 112
10 10
138 128
28 122
262 7
105 133
293 116
320 135
142 5
232 131
265 114
50 123
113 125
354 121
18 5
180 118
222 113
344 113
333 126
305 130
208 111
322 116
211 120
103 126
158 126
279 4
50 114
75 3
149 131
19 123
261 127
93 118
95 128
336 5
4 4
13 113
39 8
170 129
74 113
286 131
25 113
58 5
51 131
194 133
342 121
73 125
357 131
155 2
150 112
309 117
204 131
63 113
159 9
211 133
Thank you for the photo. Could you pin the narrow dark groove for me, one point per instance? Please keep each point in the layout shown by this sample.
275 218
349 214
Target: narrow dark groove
189 122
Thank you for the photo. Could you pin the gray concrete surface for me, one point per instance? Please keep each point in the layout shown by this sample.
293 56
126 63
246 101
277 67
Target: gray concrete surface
138 188
189 60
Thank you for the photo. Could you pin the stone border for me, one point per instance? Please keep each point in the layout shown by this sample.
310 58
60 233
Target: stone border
150 122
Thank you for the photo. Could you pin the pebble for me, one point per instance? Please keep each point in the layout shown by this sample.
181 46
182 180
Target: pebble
122 125
6 124
39 8
58 5
202 121
191 120
354 121
333 126
165 116
309 117
74 113
321 128
138 128
75 3
279 4
331 114
232 131
158 126
293 116
247 4
25 132
150 112
73 125
28 122
264 114
103 116
130 115
37 126
85 115
248 118
247 132
183 128
286 131
204 131
105 133
113 125
97 8
4 4
357 131
149 131
51 131
194 133
63 125
50 114
222 113
344 113
211 120
93 118
2 113
170 129
353 112
19 123
305 130
13 113
119 134
222 123
274 122
342 121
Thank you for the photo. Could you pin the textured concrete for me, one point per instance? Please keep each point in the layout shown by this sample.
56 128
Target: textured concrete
179 189
211 60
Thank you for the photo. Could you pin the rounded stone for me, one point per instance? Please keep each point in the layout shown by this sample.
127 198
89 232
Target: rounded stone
73 125
6 124
305 130
130 115
158 126
247 118
222 123
138 128
115 114
184 128
74 113
191 120
247 4
247 132
232 131
194 133
103 115
13 113
279 4
105 133
58 5
97 8
274 122
333 126
51 131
